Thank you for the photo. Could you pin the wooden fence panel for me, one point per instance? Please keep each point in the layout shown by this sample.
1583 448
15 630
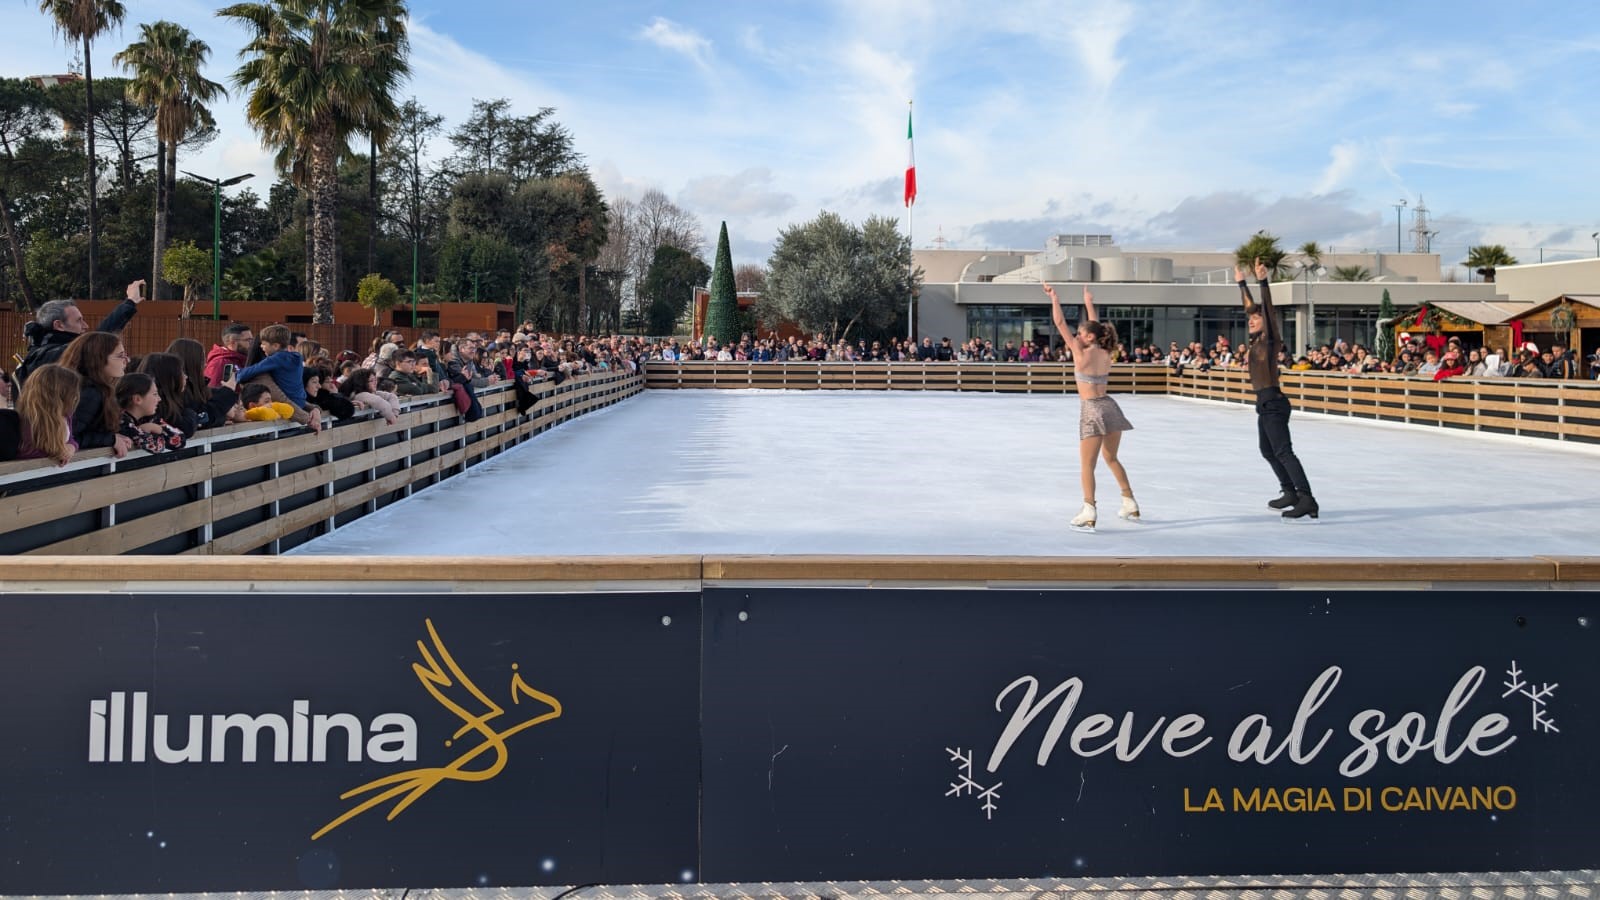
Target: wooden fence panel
218 496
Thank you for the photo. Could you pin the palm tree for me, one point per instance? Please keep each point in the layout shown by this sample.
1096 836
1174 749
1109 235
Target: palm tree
1310 255
1485 258
316 72
85 20
165 63
1264 246
1352 273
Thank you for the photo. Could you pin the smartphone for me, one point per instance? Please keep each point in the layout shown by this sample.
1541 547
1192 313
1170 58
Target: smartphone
228 371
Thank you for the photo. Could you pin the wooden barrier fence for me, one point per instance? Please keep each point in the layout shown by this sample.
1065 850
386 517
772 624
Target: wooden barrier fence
1568 411
1554 410
1011 378
264 489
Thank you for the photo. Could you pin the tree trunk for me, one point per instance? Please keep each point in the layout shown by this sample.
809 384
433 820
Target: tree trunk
324 189
583 299
372 205
17 258
188 302
160 243
88 137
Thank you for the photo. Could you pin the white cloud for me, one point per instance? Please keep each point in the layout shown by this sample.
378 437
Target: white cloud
1343 159
669 35
747 194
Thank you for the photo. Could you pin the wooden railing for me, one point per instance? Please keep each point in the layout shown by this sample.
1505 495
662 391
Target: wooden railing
1013 378
1555 410
264 489
1568 410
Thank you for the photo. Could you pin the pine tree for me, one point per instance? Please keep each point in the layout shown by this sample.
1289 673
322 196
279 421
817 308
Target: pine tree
722 316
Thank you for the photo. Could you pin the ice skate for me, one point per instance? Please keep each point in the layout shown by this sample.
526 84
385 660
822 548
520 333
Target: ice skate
1304 507
1289 498
1084 520
1130 509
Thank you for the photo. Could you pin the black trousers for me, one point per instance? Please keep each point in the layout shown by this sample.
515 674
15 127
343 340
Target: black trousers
1272 426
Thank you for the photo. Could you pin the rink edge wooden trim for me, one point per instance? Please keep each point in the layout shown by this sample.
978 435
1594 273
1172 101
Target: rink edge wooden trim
800 570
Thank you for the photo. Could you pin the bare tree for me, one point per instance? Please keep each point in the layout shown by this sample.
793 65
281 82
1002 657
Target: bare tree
750 278
637 228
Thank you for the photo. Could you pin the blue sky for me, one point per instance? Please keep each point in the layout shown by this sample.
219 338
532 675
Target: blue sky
1171 125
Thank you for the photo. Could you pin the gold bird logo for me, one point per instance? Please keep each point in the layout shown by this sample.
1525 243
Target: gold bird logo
443 678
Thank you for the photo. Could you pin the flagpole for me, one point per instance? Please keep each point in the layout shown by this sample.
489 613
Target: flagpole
911 269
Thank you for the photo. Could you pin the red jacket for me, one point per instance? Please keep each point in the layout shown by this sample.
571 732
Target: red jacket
217 358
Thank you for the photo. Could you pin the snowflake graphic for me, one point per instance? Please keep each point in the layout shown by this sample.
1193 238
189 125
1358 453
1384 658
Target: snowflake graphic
964 786
1538 697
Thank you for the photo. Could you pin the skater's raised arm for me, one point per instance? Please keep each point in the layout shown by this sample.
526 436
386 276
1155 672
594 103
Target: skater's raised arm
1088 305
1055 312
1244 290
1266 301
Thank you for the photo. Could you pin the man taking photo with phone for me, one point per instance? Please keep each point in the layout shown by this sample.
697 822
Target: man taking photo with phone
59 321
234 346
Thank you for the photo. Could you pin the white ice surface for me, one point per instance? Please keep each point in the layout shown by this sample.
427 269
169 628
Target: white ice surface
707 472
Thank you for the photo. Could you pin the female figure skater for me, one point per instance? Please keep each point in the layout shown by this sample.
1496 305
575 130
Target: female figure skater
1100 420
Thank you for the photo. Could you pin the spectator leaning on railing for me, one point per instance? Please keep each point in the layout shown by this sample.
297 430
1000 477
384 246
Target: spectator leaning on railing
282 370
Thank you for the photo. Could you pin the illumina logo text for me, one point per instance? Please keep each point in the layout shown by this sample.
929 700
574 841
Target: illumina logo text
122 731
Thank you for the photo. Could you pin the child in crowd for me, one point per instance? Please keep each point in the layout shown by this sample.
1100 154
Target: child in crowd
260 407
45 409
140 399
320 393
283 370
359 387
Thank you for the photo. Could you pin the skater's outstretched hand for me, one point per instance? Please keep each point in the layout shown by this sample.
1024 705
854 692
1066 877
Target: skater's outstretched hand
1261 270
1238 272
1051 292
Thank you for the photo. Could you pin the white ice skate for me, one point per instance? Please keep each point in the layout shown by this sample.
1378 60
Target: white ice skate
1084 520
1130 509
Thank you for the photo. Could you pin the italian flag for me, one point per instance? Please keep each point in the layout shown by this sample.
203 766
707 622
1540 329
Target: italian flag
911 164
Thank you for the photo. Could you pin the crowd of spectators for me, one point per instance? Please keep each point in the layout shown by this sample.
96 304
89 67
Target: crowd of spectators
1435 357
80 389
819 349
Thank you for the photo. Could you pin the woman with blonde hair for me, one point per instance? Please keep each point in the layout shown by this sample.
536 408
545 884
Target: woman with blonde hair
45 408
1100 420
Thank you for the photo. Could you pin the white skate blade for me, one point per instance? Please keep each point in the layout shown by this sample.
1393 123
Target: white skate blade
1082 529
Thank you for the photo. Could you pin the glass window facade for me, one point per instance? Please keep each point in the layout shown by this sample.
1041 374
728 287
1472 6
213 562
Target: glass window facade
1136 325
1356 324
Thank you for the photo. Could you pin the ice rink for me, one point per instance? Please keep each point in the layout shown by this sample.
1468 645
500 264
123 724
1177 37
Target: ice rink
706 472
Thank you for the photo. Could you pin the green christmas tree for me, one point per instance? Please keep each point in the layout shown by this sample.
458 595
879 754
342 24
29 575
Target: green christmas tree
722 316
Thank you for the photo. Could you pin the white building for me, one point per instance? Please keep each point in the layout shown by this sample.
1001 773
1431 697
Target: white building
1156 296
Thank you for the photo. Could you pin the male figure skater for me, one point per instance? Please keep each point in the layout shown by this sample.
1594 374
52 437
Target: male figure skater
1272 407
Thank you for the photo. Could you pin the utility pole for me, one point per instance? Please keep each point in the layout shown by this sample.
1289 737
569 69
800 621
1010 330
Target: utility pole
1397 207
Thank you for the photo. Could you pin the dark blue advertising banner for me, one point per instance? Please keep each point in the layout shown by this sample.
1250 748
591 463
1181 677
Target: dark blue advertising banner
889 734
251 742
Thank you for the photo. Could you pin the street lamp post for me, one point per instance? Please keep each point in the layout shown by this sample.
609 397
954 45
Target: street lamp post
1311 304
1596 237
216 235
1397 207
